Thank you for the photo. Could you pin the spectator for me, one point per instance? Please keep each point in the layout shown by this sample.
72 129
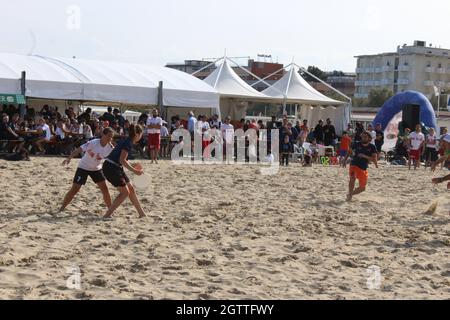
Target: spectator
8 133
108 116
192 124
329 134
379 139
86 116
286 150
227 131
318 132
372 133
119 118
431 148
45 136
164 141
215 122
154 125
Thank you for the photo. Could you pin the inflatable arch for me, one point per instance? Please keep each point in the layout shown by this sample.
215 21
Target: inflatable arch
394 106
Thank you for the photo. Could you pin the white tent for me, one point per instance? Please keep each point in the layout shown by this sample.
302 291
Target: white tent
235 93
99 81
294 89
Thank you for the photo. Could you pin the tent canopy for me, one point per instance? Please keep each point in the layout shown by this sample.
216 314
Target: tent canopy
88 80
295 89
229 85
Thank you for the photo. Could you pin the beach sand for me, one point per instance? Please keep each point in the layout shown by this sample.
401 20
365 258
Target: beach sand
225 232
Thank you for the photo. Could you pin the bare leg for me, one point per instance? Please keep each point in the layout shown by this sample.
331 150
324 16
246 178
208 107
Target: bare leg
69 196
123 195
351 188
105 192
135 201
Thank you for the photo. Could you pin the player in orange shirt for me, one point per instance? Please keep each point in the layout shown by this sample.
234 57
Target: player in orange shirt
344 149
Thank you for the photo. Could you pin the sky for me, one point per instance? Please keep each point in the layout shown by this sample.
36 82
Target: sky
324 33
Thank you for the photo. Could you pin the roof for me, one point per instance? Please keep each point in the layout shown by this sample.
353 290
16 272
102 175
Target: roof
296 90
225 80
90 80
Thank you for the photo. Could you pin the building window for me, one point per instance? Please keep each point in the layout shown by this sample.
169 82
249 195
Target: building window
428 64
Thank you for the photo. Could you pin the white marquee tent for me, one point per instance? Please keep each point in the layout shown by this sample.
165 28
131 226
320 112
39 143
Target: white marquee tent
293 89
235 93
99 81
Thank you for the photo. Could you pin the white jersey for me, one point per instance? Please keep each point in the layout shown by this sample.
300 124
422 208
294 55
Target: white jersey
416 140
154 121
94 154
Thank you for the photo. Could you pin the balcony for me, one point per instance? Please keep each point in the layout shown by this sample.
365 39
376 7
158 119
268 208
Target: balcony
404 68
429 69
361 95
440 70
359 83
403 82
386 82
387 69
429 83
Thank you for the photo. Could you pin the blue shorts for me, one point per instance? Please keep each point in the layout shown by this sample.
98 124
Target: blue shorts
343 153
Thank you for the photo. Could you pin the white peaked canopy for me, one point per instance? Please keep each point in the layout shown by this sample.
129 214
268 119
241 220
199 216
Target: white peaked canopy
230 85
295 89
100 81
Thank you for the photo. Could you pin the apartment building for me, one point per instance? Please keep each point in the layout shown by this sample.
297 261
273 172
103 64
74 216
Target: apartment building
418 67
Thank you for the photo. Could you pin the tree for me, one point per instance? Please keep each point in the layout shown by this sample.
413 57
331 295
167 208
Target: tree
377 97
317 72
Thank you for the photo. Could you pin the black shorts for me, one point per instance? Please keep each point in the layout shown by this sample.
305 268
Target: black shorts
115 174
432 154
81 176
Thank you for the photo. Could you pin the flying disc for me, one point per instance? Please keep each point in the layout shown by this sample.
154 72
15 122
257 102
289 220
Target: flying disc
137 166
142 182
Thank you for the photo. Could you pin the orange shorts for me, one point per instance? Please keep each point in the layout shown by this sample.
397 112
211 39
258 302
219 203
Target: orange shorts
360 174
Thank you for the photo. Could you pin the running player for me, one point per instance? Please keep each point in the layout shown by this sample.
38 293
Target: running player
363 153
91 166
113 169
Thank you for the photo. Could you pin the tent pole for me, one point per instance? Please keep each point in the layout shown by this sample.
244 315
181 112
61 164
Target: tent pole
23 110
254 75
270 75
160 99
209 65
323 82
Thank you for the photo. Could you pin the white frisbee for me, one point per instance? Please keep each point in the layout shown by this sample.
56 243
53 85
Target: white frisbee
142 182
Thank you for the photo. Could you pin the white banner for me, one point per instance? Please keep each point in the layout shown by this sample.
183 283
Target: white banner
391 133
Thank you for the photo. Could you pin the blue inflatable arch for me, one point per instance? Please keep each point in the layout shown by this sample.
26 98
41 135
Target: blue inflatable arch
394 105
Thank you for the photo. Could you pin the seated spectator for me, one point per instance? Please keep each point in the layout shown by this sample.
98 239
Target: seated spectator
45 136
8 133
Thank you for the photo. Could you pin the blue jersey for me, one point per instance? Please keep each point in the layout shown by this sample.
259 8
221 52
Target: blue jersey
126 145
359 148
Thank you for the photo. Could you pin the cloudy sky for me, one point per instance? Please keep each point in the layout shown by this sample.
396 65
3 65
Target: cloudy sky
325 33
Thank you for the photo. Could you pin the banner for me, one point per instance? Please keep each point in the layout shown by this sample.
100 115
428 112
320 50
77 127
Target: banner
391 133
12 99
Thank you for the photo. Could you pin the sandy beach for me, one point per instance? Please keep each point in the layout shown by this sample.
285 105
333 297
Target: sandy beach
225 232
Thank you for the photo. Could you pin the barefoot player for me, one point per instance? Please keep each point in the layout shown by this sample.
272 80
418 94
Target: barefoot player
91 166
363 153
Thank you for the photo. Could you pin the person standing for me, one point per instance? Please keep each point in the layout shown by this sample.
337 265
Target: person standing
379 139
227 131
154 124
431 148
329 134
416 142
318 132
